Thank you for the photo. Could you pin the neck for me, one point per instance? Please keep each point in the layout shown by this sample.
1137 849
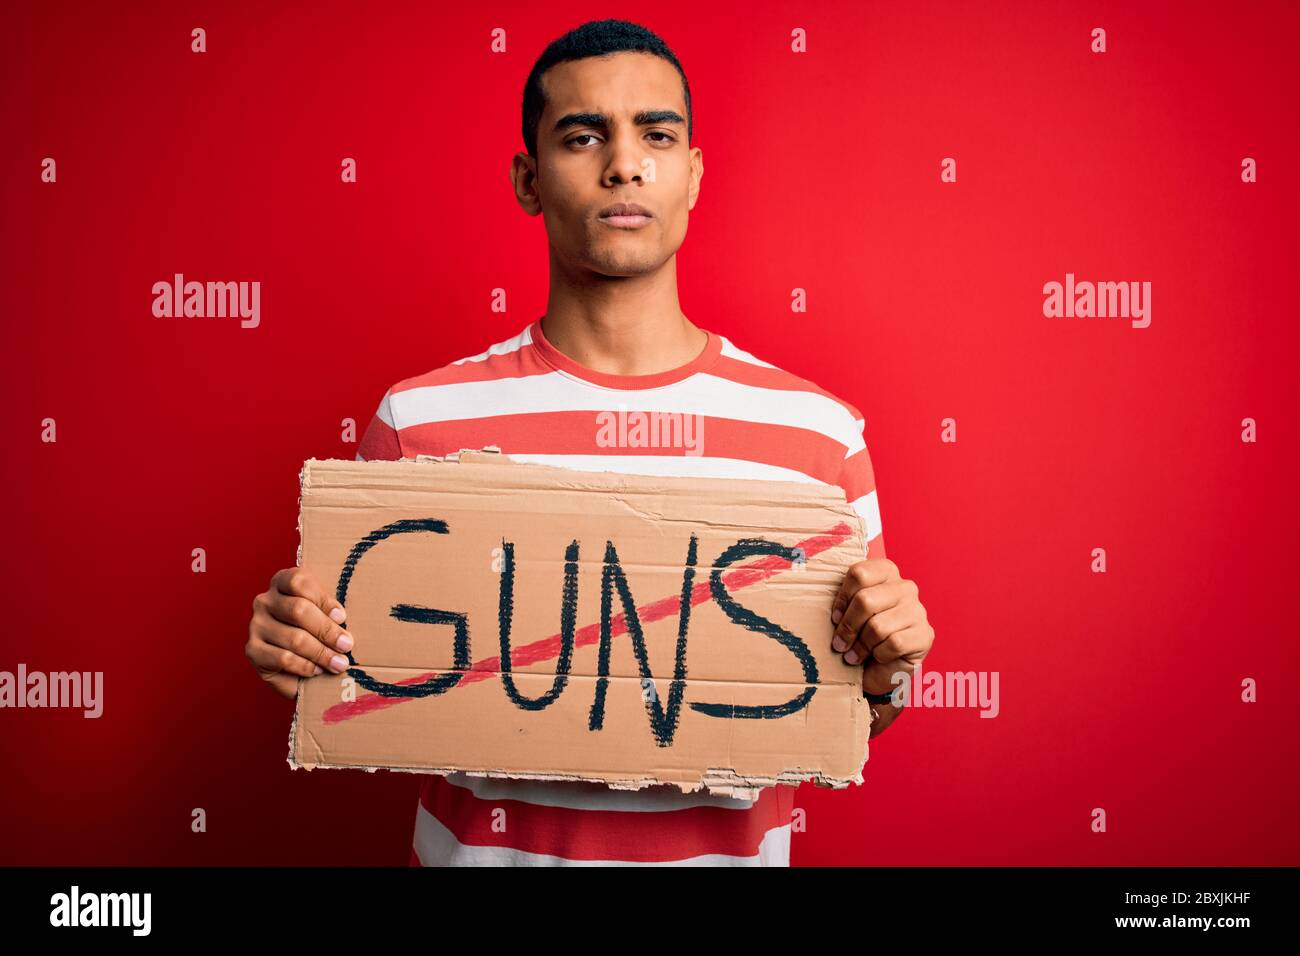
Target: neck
622 325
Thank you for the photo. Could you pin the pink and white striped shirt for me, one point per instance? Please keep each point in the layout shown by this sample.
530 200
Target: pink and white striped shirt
536 404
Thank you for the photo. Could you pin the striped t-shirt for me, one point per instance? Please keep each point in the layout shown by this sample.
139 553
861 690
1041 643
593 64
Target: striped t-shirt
736 417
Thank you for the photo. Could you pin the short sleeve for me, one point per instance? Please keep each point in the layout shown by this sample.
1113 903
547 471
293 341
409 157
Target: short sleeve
858 479
380 441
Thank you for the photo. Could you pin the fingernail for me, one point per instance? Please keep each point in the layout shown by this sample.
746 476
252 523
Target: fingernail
836 614
318 670
851 657
839 645
344 642
338 662
337 615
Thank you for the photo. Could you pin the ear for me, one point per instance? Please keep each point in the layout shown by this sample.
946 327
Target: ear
523 178
697 173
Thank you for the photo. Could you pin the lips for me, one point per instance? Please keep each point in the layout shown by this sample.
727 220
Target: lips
625 215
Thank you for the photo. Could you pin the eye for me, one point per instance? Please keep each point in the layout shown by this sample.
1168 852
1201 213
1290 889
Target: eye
667 137
581 136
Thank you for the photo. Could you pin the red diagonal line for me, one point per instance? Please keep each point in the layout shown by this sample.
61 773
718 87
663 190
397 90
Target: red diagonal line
548 648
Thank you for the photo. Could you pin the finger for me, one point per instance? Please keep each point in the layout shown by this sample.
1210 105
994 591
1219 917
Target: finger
301 613
299 582
864 574
271 659
864 603
902 651
302 644
877 630
905 642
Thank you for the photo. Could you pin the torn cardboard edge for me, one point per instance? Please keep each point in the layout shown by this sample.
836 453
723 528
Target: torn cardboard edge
722 782
715 780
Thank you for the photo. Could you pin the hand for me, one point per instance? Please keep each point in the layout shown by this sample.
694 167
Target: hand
881 623
296 631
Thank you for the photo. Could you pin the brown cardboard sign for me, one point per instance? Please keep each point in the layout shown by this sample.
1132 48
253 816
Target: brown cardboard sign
523 620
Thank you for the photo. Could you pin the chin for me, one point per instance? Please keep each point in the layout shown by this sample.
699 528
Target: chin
623 265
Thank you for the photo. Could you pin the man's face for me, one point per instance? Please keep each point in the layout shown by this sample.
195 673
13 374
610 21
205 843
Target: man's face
613 131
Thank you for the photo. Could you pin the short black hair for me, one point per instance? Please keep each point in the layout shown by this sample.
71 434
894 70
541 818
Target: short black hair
595 38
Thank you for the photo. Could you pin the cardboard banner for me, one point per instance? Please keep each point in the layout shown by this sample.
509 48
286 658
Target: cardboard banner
521 620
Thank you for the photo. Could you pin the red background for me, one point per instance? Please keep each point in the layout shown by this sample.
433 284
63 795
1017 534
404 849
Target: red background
1119 690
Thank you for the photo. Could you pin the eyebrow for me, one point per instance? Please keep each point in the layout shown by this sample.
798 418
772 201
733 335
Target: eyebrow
641 118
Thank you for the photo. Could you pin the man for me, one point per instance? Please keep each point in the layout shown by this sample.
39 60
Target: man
607 126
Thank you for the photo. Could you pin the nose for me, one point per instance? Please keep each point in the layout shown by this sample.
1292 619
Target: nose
625 157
